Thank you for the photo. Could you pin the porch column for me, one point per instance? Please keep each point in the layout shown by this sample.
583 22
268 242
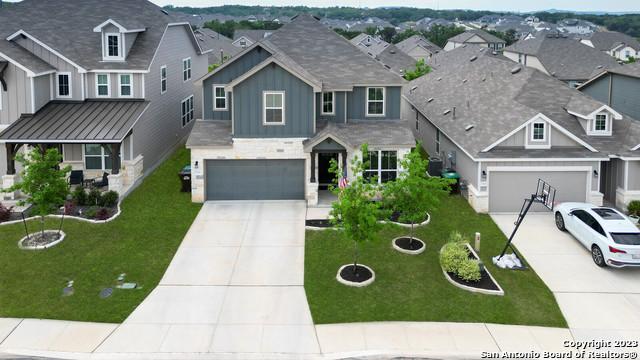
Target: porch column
115 159
313 166
11 161
343 153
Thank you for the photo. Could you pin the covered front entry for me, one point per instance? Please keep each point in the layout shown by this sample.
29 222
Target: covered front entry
260 179
508 189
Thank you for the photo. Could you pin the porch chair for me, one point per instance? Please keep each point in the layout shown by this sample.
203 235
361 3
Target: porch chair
76 177
103 182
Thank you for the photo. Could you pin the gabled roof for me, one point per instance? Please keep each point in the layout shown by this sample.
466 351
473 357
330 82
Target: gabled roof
396 60
631 70
66 26
355 133
496 96
253 35
462 38
215 42
410 43
608 40
564 58
22 58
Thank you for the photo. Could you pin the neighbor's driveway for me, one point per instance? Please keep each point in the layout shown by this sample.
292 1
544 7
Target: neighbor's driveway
597 303
235 285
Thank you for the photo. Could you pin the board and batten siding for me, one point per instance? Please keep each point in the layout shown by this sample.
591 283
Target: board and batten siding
248 109
160 130
136 78
357 104
59 64
41 90
17 99
624 96
557 138
239 66
634 175
339 102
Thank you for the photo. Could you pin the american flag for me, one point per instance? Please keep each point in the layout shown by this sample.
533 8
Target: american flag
343 182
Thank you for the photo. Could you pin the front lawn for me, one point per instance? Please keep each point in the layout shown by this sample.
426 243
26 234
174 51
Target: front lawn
413 288
140 243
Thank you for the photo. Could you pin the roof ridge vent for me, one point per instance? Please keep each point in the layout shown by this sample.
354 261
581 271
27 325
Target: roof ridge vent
413 89
429 100
516 70
446 112
469 127
473 58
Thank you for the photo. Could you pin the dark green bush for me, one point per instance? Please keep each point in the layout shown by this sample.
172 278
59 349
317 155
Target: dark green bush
94 198
79 196
109 199
634 208
91 212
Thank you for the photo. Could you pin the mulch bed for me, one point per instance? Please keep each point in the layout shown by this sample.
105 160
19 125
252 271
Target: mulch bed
406 244
361 274
91 212
485 282
395 217
319 223
40 239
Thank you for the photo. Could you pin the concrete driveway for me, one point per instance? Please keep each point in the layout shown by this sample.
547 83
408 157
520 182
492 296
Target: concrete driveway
597 303
235 285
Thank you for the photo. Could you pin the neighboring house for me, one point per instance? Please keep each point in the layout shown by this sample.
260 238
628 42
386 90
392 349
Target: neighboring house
475 37
619 45
245 38
618 88
559 56
277 114
219 47
113 90
389 56
371 22
366 40
577 26
503 126
418 47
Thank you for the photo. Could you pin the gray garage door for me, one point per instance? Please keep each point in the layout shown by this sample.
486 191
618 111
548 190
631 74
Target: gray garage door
507 190
255 179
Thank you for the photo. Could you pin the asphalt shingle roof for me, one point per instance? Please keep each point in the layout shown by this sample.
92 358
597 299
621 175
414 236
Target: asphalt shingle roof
211 40
489 94
607 40
356 133
461 38
564 58
210 133
410 43
67 27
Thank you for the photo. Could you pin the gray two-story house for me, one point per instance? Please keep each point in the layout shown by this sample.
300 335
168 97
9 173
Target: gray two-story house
618 88
275 115
109 83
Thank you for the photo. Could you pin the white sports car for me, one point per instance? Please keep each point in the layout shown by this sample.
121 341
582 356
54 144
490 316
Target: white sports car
611 237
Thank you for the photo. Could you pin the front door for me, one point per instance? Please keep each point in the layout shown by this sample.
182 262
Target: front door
325 177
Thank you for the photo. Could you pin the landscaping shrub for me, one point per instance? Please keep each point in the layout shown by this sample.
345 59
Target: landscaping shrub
109 199
102 214
469 270
5 213
634 208
94 198
91 212
69 208
451 255
79 196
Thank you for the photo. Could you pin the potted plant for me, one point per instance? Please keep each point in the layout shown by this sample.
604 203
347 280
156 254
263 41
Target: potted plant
355 216
411 196
45 186
634 210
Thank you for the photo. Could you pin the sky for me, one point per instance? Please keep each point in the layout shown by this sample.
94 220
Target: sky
496 5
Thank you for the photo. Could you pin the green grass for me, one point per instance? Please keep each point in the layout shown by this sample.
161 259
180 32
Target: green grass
413 288
140 243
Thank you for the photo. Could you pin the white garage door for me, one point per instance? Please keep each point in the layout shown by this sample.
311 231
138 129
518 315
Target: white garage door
508 189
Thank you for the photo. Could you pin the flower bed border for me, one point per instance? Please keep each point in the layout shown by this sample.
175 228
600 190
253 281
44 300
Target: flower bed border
92 221
409 252
499 292
42 247
352 283
426 222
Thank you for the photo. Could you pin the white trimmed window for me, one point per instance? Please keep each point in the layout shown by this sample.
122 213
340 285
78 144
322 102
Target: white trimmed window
96 157
383 165
103 86
187 110
328 103
538 131
375 101
186 69
600 123
113 46
125 88
163 79
273 108
63 85
219 98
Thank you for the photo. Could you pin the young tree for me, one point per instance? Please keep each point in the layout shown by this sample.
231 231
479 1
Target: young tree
420 70
42 182
354 213
414 193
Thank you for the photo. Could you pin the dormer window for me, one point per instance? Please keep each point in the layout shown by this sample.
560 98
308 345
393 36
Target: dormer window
539 133
113 46
600 125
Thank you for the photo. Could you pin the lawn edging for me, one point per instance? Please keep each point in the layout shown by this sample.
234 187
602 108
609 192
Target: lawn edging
56 216
499 292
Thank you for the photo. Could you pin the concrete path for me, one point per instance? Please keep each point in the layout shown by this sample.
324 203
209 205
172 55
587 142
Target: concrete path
597 303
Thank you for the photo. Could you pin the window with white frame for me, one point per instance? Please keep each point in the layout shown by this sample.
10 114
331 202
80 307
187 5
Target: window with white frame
273 108
102 85
186 69
538 132
327 103
219 98
375 101
163 79
383 165
113 46
63 85
125 85
96 157
187 110
600 123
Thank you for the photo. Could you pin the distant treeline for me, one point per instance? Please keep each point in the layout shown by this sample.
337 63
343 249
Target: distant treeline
628 24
